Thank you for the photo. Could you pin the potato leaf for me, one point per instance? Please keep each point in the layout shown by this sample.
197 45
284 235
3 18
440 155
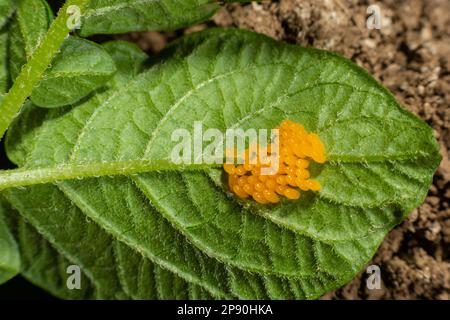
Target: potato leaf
121 16
380 163
129 61
110 269
79 68
45 267
47 254
26 31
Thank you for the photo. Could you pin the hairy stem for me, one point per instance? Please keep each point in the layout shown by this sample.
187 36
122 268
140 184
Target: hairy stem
27 177
32 72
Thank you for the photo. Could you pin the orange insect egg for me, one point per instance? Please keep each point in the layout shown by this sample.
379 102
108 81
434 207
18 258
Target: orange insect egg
271 184
302 163
291 180
291 194
229 168
280 189
242 180
314 185
290 141
314 139
298 150
284 123
290 170
290 160
307 148
295 126
252 180
248 188
302 174
284 151
318 157
263 178
281 168
240 191
302 184
281 180
299 129
232 180
256 171
284 134
259 197
271 196
259 186
240 170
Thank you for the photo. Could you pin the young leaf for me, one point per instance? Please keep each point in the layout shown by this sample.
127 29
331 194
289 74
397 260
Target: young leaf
81 67
237 79
121 16
9 252
26 32
32 72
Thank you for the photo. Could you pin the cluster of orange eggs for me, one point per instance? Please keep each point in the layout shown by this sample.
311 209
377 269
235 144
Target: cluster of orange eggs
297 148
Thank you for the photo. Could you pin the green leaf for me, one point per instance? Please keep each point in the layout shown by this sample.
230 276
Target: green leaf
41 264
381 162
110 269
6 9
126 55
27 30
121 272
46 268
79 68
129 60
9 252
35 67
121 16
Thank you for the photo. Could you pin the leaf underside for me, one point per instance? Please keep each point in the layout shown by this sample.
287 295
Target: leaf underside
184 227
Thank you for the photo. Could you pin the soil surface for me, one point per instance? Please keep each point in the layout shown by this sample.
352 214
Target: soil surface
410 55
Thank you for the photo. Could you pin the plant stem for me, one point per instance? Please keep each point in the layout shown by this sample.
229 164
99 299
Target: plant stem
27 177
32 72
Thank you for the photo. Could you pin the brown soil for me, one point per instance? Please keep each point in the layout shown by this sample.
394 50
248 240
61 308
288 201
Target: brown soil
410 55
